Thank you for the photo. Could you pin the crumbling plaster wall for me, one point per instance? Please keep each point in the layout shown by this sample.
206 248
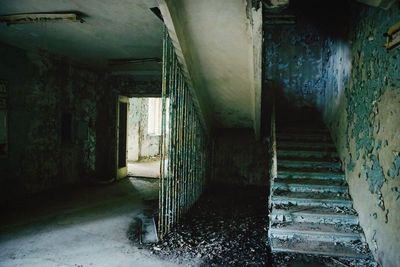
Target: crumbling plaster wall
238 158
362 109
40 88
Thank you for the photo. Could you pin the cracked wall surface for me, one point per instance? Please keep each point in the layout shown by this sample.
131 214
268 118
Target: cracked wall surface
41 88
362 109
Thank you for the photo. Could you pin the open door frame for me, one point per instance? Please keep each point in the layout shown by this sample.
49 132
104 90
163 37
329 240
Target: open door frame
121 167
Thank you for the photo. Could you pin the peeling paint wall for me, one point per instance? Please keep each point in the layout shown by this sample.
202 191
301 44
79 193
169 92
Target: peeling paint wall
42 88
293 64
238 158
362 109
338 64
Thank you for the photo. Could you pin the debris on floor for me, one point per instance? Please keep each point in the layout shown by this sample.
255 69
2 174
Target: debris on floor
226 229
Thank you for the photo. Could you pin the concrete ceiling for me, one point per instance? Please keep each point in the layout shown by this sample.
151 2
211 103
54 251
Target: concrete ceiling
216 35
112 29
216 40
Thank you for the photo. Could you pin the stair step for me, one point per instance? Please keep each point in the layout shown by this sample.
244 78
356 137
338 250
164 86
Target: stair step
312 211
310 185
284 153
304 137
357 250
298 174
309 164
310 199
315 232
301 214
294 145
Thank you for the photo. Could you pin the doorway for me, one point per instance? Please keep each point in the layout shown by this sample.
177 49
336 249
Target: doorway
139 137
144 136
121 134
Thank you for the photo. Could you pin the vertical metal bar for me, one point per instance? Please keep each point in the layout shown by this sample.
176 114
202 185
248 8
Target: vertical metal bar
179 181
185 150
170 173
192 161
176 143
179 147
162 152
185 121
191 150
176 177
172 145
177 159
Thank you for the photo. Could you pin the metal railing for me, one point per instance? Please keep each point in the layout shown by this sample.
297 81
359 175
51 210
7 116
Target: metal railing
185 150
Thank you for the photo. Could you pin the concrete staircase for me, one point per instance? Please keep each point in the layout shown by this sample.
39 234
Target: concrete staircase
311 210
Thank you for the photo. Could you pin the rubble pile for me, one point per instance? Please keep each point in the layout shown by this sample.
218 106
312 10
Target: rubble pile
223 229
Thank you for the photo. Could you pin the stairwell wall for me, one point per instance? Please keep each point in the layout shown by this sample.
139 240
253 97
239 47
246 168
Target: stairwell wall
293 65
362 110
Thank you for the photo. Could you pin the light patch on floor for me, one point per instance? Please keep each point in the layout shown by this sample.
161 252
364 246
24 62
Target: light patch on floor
144 169
84 228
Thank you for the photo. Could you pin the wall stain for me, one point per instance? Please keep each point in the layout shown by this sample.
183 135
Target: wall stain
394 171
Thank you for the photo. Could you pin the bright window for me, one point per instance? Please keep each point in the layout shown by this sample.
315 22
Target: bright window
154 116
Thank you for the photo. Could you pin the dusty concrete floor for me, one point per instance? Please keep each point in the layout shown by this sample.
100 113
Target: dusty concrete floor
85 227
144 168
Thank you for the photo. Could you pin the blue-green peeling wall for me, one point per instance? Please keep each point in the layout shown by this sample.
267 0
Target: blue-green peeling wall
362 109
